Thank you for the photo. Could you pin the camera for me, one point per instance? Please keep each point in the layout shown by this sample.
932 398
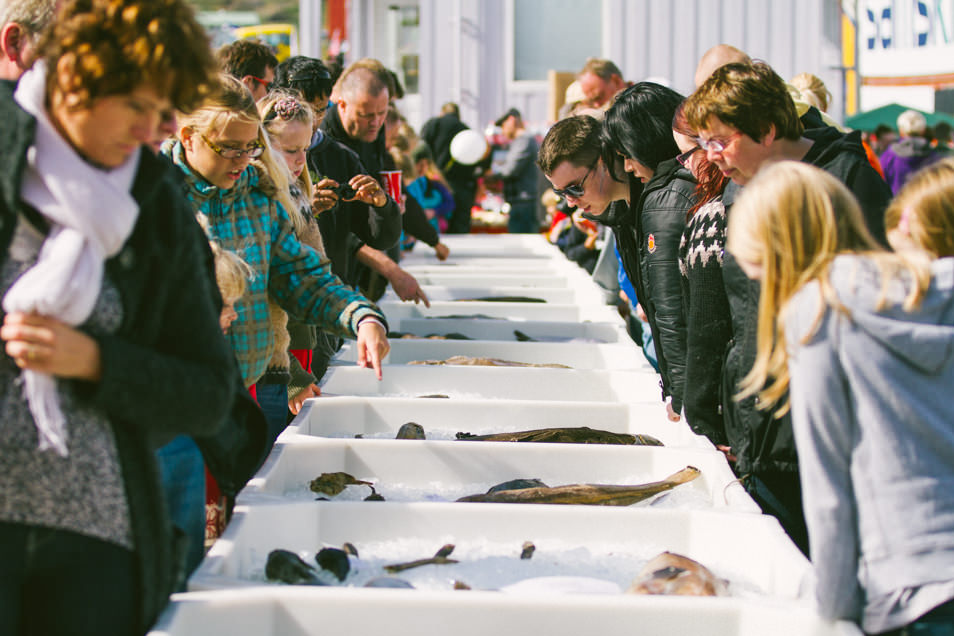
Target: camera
344 191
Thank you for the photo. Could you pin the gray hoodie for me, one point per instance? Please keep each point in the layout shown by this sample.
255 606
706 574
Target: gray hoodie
873 418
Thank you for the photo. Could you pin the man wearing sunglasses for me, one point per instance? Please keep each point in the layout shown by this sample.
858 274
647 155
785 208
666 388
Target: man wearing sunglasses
251 62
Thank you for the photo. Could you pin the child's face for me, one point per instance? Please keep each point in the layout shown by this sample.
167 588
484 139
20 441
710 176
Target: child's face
221 171
291 140
228 315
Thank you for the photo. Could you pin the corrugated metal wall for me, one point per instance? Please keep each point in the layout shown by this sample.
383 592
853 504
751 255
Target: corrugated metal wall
465 46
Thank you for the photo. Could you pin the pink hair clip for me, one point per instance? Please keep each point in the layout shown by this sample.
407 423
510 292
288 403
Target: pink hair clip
288 107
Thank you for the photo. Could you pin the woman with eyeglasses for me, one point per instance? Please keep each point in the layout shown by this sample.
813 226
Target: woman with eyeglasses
708 319
638 129
247 210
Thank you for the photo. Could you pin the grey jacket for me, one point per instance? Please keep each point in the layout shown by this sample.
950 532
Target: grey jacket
874 428
519 170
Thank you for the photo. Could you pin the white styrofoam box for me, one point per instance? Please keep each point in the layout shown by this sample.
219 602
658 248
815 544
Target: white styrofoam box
578 355
425 470
373 612
380 418
517 383
493 264
397 310
750 551
550 295
503 329
511 246
473 279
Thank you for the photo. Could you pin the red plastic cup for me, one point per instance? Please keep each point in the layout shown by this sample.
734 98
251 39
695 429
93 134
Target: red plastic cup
392 181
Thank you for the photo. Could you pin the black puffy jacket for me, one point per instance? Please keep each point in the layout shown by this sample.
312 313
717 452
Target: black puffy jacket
647 236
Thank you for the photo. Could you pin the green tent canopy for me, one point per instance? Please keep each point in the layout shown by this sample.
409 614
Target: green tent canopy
888 114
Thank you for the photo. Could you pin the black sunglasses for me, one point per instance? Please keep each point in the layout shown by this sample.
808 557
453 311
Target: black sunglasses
574 190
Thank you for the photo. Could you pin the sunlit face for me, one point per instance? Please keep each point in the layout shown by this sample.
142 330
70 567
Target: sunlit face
596 90
363 116
639 170
111 128
291 139
228 314
220 171
599 188
741 156
689 152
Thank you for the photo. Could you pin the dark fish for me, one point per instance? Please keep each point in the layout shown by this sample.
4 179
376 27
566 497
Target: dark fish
411 430
389 581
588 494
439 558
502 299
670 573
434 395
400 335
564 435
288 567
517 484
487 362
350 549
527 550
460 585
467 317
335 561
334 483
522 337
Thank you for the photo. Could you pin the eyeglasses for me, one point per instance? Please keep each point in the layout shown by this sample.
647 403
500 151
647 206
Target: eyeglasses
717 145
574 190
254 151
266 84
687 155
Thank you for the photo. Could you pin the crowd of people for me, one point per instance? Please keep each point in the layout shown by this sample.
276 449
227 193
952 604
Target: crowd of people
797 295
189 236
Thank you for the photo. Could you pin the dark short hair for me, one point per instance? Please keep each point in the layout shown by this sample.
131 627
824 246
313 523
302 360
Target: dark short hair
306 75
639 123
246 57
574 139
751 98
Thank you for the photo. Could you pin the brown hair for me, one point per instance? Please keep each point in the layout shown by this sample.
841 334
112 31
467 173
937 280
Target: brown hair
574 139
602 68
246 57
111 47
927 204
749 97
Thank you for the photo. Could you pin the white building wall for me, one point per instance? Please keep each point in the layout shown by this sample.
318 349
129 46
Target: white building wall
466 47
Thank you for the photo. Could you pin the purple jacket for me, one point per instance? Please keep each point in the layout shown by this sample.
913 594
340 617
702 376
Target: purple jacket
902 158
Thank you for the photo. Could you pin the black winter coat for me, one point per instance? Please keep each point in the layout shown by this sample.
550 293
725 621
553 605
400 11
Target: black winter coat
762 443
168 370
647 236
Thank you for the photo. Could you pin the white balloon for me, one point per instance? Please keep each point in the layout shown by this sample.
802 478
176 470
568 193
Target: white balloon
468 147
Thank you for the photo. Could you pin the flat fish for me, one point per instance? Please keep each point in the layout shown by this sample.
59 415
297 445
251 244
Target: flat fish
288 567
335 561
587 494
565 435
671 573
502 299
487 362
410 430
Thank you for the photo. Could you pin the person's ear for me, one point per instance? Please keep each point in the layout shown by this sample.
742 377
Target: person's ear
11 41
186 135
769 136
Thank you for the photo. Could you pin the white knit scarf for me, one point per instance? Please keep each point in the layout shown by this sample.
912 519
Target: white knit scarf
91 214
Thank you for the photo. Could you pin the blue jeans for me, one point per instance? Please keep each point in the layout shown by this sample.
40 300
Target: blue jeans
182 475
273 398
60 583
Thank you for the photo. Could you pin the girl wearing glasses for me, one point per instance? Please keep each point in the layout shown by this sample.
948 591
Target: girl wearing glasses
247 208
638 128
861 341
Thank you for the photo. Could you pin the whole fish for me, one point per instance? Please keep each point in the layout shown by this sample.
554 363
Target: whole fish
502 299
565 435
587 494
335 483
487 362
670 573
287 567
411 430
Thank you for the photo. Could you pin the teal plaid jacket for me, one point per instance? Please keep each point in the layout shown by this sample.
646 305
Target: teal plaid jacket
243 219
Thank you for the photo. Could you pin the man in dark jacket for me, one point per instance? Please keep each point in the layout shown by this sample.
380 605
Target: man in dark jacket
745 118
438 132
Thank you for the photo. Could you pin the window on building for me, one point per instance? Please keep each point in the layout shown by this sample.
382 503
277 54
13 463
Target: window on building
554 34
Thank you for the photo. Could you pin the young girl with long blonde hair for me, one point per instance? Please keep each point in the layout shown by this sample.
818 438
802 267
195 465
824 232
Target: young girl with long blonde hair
863 340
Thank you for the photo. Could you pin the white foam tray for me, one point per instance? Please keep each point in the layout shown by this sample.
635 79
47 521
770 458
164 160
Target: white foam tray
503 329
510 246
550 295
302 612
492 265
750 551
521 280
396 310
443 471
516 383
578 355
382 417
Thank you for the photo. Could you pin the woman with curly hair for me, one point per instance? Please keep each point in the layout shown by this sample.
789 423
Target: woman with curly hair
110 318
